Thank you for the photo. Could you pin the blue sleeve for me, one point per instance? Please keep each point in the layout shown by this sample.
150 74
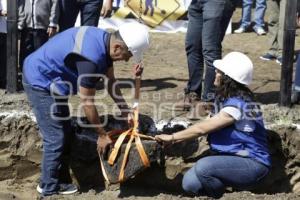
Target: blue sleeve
86 68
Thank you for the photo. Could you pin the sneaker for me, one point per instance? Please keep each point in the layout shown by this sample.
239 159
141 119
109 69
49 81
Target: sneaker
241 29
279 60
64 188
259 31
268 56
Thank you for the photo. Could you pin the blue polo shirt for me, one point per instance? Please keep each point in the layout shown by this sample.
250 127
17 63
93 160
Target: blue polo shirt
55 64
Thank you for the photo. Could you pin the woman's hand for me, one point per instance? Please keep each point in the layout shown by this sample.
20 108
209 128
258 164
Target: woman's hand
164 138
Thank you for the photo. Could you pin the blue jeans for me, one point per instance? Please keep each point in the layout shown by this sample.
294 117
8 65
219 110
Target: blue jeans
297 75
260 9
208 20
56 135
89 12
210 175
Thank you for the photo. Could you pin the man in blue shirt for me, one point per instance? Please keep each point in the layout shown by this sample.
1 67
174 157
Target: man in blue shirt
72 62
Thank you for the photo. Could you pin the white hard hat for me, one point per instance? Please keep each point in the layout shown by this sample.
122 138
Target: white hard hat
237 66
136 38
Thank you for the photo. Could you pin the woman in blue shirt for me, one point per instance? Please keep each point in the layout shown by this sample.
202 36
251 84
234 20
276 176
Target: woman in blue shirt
236 134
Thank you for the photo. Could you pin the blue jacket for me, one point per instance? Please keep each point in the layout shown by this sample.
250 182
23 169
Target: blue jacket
235 141
54 62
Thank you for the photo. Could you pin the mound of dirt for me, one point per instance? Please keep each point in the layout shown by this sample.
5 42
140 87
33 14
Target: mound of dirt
21 149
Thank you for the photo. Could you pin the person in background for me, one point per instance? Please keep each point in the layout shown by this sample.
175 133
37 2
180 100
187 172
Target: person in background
276 10
260 9
295 99
89 12
3 31
38 21
208 21
236 134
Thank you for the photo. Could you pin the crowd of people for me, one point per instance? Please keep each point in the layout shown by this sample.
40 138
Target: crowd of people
235 129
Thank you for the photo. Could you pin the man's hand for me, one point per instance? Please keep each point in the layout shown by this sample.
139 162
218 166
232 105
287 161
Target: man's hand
129 116
106 8
130 120
103 144
51 31
138 69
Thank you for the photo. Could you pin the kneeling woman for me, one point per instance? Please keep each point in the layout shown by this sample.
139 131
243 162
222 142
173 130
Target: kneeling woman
236 134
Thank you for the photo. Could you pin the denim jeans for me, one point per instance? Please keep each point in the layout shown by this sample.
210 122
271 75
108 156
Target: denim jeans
260 9
297 75
210 175
208 20
89 12
56 135
3 60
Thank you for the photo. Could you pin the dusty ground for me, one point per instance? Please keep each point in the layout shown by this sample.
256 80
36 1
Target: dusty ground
164 78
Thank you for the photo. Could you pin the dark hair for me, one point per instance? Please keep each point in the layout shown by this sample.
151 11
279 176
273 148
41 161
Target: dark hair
230 88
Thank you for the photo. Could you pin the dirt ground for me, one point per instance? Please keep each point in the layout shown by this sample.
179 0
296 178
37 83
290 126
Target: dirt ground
164 78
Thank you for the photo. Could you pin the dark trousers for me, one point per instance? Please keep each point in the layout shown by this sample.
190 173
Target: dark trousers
2 60
31 40
89 12
56 133
208 20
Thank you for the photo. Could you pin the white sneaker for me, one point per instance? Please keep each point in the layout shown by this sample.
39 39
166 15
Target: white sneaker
241 29
64 188
260 31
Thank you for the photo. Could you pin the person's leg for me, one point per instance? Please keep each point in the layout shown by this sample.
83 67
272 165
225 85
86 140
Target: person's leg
214 12
52 134
3 60
273 25
64 112
215 173
26 45
297 75
69 10
281 27
246 13
191 183
40 37
295 98
193 48
260 10
90 12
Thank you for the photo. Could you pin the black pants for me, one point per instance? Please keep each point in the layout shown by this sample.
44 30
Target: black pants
31 40
2 60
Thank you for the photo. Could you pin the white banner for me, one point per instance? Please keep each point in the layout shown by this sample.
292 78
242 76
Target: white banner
159 15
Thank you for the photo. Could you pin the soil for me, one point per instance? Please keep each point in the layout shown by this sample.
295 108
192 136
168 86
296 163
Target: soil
164 78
